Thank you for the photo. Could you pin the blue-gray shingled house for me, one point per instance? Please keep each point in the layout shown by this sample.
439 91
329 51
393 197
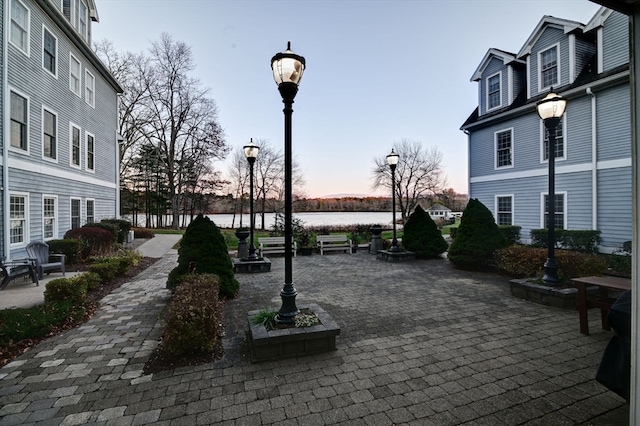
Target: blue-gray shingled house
59 167
588 64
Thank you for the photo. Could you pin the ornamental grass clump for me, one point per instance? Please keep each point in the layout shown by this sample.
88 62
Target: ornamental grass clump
192 317
422 236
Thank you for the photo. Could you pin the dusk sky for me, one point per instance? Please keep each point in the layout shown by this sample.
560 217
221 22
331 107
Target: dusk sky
377 71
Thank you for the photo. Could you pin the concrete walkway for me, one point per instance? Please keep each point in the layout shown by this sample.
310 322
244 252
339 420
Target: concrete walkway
22 293
421 344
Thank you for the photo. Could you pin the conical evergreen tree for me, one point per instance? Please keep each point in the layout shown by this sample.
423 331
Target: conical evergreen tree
422 236
204 251
476 239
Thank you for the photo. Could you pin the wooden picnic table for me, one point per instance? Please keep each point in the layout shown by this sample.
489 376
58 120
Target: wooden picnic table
602 299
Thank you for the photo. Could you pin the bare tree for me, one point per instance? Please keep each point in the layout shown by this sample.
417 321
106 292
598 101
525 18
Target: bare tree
183 118
418 173
128 68
269 175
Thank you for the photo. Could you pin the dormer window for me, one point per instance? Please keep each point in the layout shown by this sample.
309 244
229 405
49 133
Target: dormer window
81 18
548 61
494 98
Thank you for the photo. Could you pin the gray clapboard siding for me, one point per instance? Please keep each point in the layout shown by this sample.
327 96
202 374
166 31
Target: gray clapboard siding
614 212
615 41
614 123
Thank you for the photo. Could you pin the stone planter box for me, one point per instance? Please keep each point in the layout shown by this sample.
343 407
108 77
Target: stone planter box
248 266
544 295
396 256
268 345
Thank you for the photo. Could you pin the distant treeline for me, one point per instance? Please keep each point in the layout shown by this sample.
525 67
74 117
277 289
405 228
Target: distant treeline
343 204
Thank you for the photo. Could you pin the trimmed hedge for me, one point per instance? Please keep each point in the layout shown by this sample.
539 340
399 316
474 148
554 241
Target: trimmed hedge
192 317
511 233
69 247
525 261
72 290
143 233
585 241
92 241
122 228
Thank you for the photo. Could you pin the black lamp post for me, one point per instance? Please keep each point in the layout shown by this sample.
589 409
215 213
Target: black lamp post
287 71
392 161
550 109
251 152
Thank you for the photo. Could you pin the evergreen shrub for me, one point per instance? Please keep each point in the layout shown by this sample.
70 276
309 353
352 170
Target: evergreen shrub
69 247
66 290
106 269
477 238
511 233
586 241
203 250
192 325
122 228
422 236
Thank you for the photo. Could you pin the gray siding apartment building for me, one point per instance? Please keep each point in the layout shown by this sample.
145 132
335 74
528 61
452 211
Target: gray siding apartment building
588 64
59 162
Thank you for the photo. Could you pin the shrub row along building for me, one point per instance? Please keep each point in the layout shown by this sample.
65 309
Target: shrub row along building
60 119
587 64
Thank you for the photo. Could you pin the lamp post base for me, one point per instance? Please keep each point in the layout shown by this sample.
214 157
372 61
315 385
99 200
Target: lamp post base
288 310
551 273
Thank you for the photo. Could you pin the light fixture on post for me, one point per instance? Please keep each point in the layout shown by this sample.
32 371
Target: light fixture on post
392 161
287 70
251 152
550 109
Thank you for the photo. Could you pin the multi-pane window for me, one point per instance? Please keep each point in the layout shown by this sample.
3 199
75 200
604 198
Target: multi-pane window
81 17
559 211
17 219
20 26
75 213
74 74
504 151
49 134
49 52
75 146
493 91
19 108
504 210
90 211
49 217
559 144
89 88
90 149
549 67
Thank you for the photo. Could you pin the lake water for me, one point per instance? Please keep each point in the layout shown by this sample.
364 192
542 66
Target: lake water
308 219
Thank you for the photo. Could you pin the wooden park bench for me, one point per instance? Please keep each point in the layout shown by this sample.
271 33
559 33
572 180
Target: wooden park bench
13 269
273 245
333 242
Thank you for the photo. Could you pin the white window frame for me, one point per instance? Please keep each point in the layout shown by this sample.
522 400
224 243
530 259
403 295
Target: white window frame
73 126
543 223
495 149
56 136
81 18
86 204
89 88
75 81
27 31
488 98
24 219
542 88
71 200
46 30
543 133
28 124
54 226
497 208
88 135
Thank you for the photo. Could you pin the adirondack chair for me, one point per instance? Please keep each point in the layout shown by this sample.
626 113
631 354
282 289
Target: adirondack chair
45 262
